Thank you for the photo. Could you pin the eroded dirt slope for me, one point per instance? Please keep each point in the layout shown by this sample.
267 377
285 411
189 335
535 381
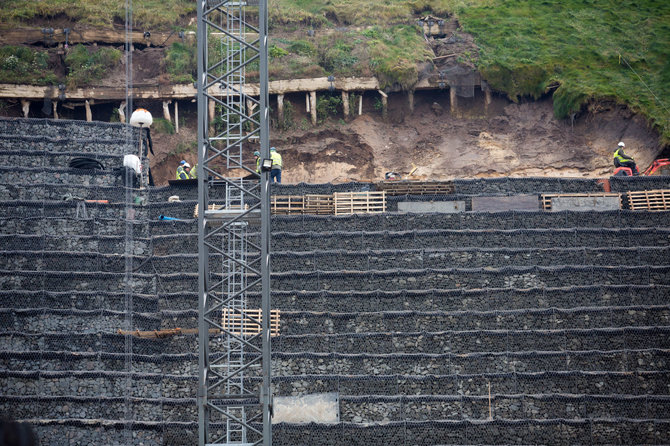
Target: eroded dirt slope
506 140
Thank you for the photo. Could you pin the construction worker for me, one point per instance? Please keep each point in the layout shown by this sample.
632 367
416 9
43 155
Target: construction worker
257 157
183 171
193 173
623 160
275 173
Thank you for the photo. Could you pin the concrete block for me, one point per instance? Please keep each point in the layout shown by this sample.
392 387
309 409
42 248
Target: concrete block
585 204
513 203
421 207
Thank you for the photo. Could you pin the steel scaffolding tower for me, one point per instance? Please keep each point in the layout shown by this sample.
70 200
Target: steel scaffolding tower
234 343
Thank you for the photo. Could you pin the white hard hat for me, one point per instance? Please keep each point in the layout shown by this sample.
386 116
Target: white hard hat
621 144
187 165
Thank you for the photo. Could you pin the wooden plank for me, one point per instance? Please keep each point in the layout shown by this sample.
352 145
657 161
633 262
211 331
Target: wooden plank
359 202
211 207
651 200
28 36
159 334
286 204
183 91
416 187
236 324
319 204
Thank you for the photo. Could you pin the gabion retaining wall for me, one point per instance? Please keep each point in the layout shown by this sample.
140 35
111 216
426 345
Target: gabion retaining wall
410 318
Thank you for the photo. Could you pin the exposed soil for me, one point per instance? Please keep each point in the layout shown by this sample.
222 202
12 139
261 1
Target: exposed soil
503 139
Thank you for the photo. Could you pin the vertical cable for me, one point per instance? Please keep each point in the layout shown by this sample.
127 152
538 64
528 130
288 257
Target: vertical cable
129 212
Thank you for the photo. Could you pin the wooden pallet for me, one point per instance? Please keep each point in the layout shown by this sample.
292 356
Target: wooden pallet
545 199
233 322
211 207
359 202
416 187
319 204
287 204
649 200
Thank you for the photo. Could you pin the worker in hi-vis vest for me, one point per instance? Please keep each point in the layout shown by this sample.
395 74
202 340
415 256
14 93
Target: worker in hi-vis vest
183 170
257 157
275 173
623 160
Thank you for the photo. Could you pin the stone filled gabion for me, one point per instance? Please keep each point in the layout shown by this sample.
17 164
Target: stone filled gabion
412 319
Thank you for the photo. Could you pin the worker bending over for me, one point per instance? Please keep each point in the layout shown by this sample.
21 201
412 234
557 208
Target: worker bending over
623 160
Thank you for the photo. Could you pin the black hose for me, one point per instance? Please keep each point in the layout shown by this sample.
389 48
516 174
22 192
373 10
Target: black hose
86 163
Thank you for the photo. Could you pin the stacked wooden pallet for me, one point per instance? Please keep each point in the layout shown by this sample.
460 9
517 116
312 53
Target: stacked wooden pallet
287 204
248 325
359 202
649 200
339 203
319 204
416 187
545 199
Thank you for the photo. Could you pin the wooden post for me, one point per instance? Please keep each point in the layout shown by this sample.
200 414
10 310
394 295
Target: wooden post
453 100
307 102
166 111
211 107
54 104
312 105
384 103
122 112
25 106
89 114
360 104
487 98
345 103
251 105
176 116
410 100
280 108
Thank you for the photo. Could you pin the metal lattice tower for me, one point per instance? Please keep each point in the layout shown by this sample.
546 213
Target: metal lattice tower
233 242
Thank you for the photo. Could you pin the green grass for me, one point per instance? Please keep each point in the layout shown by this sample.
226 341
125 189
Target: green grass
527 46
89 64
156 14
29 65
181 63
318 13
576 50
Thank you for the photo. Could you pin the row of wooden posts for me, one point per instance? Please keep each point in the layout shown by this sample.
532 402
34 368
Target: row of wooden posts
310 106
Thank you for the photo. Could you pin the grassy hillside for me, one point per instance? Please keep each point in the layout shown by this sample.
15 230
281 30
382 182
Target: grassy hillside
577 50
160 14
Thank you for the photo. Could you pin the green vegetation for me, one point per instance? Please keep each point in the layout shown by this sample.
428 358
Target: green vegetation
181 63
577 50
327 106
391 54
395 52
164 126
584 48
89 64
157 14
286 122
276 52
31 66
318 13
